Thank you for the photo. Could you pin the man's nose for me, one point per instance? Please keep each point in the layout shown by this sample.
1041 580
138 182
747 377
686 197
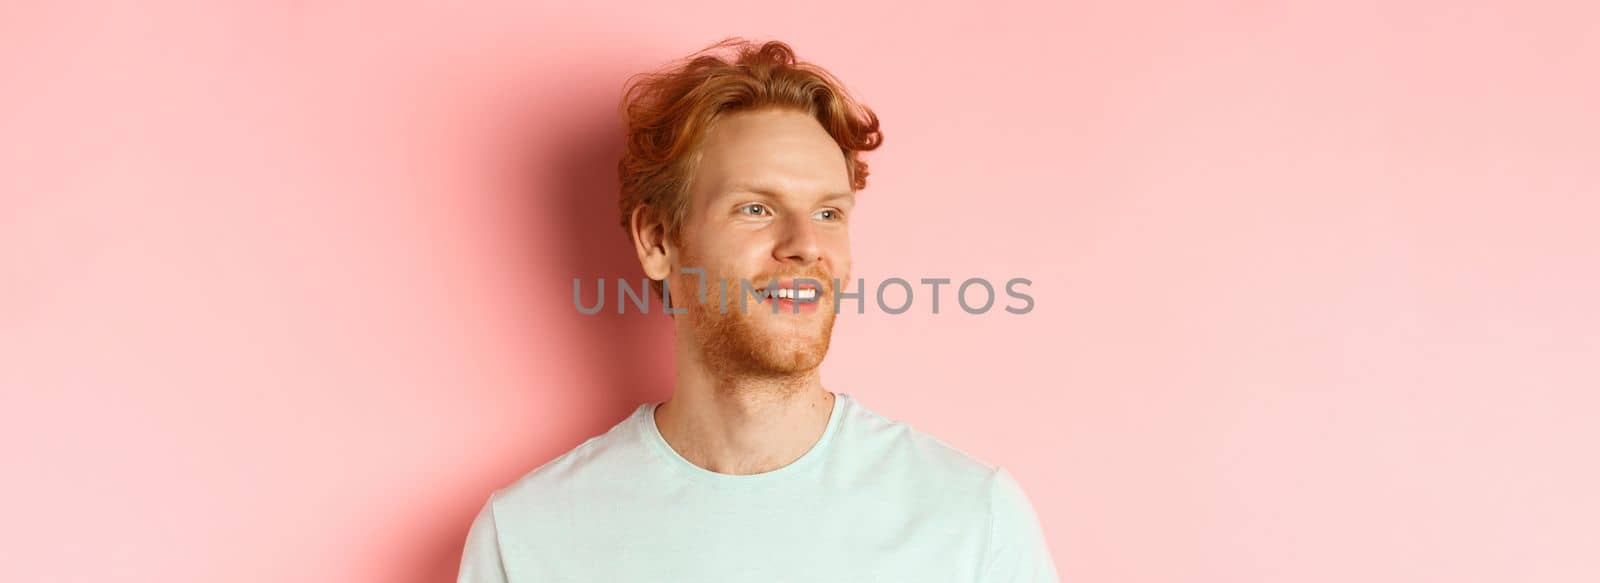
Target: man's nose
799 242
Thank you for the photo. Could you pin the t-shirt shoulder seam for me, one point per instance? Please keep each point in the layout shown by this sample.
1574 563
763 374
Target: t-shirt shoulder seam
989 500
494 521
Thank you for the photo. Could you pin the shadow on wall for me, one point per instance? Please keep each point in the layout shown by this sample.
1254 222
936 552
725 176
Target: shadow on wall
628 354
564 184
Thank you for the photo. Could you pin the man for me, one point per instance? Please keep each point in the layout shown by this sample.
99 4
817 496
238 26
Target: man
744 169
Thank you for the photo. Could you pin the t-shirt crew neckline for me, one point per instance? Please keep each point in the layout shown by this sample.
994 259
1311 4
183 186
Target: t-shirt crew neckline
652 434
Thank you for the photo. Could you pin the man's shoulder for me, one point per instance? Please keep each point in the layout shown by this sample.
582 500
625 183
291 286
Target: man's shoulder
586 467
898 442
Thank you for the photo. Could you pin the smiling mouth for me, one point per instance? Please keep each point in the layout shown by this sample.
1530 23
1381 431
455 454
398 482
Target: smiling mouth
804 295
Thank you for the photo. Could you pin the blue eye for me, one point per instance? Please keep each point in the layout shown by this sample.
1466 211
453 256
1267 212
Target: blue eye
754 209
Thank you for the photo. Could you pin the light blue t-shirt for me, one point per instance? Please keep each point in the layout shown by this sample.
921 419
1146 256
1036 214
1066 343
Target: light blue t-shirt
872 500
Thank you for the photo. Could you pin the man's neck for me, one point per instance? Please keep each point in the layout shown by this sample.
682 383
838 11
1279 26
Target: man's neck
743 425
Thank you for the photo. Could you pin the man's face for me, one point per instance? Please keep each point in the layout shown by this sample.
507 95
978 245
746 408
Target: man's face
771 198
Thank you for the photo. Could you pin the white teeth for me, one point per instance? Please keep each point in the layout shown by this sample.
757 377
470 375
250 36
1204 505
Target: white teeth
789 293
806 294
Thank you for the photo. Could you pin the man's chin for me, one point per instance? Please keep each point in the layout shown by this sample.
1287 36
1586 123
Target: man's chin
785 353
766 344
783 346
790 359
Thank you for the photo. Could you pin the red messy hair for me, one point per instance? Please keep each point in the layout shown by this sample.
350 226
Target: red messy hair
668 113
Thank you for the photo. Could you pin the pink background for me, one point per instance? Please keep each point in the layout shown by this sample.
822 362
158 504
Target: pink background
285 287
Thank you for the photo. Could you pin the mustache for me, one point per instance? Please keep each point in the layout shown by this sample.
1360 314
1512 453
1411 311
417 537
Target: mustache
817 275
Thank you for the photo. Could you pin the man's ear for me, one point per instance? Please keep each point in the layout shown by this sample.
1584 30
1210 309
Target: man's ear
650 241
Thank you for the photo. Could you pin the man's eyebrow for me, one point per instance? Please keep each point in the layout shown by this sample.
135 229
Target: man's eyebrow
773 193
839 195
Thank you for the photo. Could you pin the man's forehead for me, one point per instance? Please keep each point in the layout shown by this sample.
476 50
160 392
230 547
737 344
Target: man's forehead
778 149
